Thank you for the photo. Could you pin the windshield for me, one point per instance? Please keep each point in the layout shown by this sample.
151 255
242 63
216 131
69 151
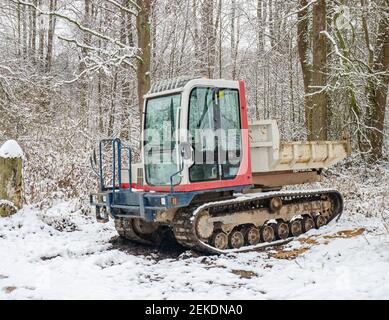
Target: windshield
160 139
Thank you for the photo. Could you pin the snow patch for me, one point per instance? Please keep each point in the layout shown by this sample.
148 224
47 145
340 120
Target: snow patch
11 149
7 203
60 253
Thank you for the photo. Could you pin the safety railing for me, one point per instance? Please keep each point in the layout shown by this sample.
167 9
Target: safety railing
116 160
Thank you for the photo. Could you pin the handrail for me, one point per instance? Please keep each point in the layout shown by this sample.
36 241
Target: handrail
114 142
129 150
116 163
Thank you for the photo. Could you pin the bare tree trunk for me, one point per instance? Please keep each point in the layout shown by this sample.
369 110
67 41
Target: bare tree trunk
125 103
19 30
232 52
378 90
24 31
303 49
184 37
207 40
319 76
41 36
33 31
130 30
235 38
100 75
153 22
10 184
265 64
143 68
260 29
197 54
291 83
218 27
100 102
50 36
172 59
83 83
271 24
111 123
314 76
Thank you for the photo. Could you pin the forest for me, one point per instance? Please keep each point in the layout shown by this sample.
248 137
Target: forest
75 71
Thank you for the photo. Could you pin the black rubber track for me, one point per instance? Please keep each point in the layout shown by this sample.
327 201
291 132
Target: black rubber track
185 218
125 229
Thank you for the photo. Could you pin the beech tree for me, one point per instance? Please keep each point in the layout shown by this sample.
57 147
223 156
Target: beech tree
377 85
314 71
143 31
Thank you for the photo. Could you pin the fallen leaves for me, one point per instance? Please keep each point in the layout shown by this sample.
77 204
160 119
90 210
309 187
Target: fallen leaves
346 234
308 242
289 254
244 273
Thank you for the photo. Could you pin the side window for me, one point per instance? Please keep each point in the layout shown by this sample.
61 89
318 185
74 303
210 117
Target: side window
230 136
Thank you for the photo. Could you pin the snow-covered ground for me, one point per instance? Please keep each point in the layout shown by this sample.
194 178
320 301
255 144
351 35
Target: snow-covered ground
60 253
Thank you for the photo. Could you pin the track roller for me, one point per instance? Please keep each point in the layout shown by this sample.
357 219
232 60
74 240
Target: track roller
252 236
281 230
220 240
267 233
320 221
236 239
295 228
307 223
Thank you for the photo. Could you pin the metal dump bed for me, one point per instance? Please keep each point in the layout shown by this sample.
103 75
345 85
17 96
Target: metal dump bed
269 153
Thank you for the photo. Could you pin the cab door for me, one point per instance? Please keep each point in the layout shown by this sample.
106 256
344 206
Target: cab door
215 135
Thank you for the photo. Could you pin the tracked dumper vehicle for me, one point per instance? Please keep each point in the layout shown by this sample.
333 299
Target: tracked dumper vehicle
209 176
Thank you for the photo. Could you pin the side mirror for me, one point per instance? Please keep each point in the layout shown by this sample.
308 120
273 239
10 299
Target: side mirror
186 150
